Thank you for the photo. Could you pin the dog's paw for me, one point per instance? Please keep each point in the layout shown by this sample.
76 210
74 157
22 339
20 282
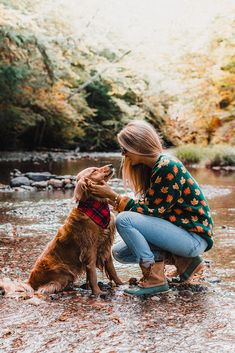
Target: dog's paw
50 288
100 294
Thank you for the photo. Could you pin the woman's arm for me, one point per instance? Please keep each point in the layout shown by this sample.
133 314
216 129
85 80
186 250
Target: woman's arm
164 192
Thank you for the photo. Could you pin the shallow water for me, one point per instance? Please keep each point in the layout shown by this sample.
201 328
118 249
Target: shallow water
198 318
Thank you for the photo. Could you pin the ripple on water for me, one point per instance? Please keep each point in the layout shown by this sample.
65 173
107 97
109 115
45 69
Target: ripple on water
211 191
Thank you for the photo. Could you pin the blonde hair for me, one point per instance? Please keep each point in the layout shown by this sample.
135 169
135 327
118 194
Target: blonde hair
138 137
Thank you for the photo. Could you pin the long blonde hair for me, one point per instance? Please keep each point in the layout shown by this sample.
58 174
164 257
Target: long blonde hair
138 137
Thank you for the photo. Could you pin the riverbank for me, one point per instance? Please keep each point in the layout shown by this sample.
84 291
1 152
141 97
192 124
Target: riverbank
52 170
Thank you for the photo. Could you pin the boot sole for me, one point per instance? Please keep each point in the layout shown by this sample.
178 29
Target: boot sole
147 291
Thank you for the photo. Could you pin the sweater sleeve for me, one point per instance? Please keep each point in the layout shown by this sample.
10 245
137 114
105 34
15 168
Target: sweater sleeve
164 191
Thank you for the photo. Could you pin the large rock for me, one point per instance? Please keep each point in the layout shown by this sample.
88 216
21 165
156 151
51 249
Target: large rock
40 184
56 183
18 181
39 176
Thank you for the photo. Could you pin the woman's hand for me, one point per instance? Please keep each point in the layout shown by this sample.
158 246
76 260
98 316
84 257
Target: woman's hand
102 190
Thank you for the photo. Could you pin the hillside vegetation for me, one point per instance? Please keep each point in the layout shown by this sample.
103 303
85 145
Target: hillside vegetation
57 91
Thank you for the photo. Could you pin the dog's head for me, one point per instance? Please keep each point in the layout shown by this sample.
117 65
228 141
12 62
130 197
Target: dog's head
88 175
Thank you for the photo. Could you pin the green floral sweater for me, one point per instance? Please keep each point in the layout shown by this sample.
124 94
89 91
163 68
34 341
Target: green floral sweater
174 195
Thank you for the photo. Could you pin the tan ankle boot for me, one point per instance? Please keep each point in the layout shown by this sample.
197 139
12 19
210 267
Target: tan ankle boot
145 271
169 260
153 275
187 267
153 281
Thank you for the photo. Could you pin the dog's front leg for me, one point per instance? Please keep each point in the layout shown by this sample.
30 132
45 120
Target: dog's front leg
111 272
92 278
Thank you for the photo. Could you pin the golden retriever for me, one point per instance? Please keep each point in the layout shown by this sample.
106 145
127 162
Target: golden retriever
80 245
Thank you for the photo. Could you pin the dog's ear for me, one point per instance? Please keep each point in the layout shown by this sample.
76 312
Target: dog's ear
80 188
88 182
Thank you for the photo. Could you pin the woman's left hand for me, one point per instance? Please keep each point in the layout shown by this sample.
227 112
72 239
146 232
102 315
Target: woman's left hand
102 190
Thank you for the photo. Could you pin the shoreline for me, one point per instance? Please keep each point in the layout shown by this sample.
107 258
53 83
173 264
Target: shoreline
69 155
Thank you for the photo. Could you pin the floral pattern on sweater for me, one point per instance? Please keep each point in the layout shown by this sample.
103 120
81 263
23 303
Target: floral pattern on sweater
175 195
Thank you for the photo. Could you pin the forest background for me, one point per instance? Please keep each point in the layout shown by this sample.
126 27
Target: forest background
72 73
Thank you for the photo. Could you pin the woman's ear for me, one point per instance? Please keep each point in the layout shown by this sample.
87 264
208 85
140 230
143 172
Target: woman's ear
80 188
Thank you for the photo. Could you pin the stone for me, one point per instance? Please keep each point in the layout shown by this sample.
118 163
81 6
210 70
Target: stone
62 177
56 183
39 176
214 280
40 184
16 173
28 188
49 187
69 186
18 181
67 181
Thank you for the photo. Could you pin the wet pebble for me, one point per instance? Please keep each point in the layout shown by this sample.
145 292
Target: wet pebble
2 291
155 298
214 280
186 293
133 281
7 332
171 296
104 286
35 301
55 296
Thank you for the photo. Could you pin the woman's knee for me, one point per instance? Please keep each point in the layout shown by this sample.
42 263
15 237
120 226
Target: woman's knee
121 253
199 247
115 253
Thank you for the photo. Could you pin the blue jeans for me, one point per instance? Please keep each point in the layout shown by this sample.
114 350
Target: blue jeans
145 238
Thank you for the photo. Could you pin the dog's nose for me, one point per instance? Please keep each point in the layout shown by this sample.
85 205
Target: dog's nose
110 165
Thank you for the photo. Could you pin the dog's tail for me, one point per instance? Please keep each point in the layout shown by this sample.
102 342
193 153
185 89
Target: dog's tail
15 288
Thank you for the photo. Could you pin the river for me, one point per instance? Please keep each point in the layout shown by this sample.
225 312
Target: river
199 319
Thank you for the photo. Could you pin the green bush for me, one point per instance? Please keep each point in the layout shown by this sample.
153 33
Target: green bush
190 154
221 155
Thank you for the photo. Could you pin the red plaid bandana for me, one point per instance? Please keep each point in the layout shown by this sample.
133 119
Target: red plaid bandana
98 211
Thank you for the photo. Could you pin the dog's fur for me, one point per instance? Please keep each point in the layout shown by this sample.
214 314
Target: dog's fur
79 245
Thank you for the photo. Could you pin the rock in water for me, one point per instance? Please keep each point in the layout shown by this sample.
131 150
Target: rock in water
39 176
18 181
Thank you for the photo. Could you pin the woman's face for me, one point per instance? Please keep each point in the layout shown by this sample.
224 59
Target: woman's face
133 158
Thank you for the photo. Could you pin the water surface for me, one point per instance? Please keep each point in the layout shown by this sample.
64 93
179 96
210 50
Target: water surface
200 319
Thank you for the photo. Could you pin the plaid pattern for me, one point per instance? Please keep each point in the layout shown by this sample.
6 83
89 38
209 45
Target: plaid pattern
98 211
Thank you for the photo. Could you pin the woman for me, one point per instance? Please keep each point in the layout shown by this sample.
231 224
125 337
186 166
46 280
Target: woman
170 215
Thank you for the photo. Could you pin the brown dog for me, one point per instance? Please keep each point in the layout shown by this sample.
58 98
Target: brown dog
80 244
